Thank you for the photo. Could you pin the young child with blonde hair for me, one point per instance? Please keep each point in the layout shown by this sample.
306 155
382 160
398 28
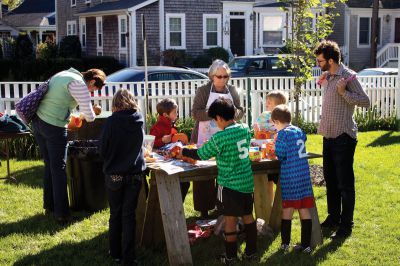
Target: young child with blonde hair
264 123
121 146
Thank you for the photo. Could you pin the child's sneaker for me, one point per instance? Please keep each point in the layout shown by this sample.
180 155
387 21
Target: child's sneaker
251 258
225 260
284 247
300 248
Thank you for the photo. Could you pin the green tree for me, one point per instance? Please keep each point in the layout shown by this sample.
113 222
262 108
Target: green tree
12 3
305 36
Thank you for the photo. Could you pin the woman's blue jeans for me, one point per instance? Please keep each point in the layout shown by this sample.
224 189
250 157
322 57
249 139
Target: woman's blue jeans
53 143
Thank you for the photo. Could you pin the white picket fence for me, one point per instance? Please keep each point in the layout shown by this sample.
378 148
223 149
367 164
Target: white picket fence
382 90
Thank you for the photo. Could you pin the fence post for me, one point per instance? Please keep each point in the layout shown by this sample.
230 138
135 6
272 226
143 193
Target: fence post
248 100
397 90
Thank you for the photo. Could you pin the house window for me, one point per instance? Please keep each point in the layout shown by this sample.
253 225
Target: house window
123 59
99 32
176 37
82 32
73 3
364 29
71 27
211 31
272 31
122 28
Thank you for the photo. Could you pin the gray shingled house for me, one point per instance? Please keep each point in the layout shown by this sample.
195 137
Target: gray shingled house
37 18
113 27
353 28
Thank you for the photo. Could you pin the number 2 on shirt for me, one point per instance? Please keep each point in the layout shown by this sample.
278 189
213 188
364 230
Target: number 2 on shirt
302 150
243 150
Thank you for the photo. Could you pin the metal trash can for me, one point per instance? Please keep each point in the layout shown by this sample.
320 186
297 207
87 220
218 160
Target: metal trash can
86 187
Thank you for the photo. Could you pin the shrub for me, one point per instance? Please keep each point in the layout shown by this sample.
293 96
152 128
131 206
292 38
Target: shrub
174 57
46 50
218 53
23 47
70 47
205 60
372 120
106 63
6 66
202 61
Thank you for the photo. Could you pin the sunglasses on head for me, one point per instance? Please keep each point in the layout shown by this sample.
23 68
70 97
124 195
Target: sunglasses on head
221 77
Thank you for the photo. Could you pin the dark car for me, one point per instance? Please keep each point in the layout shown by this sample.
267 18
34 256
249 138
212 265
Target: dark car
155 73
258 66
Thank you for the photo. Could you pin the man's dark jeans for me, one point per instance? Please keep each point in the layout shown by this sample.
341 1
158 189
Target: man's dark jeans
338 157
123 198
52 141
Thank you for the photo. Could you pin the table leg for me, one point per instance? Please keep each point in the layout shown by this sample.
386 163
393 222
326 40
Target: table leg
140 213
173 218
262 202
152 232
276 213
7 154
316 233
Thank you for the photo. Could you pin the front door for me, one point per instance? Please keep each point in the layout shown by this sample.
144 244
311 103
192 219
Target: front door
397 31
237 36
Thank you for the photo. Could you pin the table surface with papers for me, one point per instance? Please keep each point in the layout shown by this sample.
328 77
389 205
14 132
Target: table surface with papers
165 200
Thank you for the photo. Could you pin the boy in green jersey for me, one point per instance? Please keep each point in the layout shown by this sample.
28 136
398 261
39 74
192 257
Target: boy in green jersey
230 147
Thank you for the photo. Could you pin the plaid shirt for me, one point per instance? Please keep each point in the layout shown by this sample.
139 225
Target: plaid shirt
337 111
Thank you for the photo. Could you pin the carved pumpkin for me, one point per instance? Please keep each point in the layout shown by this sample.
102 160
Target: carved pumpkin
182 137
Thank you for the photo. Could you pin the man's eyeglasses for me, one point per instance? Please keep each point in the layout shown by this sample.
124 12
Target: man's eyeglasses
320 61
221 77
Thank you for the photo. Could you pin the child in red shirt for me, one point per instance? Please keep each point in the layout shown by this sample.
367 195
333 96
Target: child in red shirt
163 129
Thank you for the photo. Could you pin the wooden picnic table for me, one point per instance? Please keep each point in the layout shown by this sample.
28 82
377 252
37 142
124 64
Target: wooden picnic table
7 137
164 214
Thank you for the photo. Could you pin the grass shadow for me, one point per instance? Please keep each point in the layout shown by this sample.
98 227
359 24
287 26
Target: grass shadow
88 252
385 140
37 224
296 258
31 177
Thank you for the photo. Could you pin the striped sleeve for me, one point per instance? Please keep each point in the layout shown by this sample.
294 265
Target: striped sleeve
80 93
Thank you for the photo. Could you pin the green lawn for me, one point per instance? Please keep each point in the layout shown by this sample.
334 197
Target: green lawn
28 237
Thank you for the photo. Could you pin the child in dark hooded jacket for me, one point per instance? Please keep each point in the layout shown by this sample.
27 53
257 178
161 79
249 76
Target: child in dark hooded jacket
121 148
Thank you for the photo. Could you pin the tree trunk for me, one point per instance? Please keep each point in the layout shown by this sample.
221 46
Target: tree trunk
374 32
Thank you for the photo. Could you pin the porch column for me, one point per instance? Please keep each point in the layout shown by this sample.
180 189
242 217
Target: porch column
40 37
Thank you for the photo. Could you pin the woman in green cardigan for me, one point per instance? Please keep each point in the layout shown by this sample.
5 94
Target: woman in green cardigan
67 90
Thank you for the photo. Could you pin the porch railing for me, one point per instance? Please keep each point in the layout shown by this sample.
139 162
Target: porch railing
388 52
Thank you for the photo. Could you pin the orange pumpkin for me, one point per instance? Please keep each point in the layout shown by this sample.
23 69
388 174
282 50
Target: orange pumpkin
262 134
74 122
182 137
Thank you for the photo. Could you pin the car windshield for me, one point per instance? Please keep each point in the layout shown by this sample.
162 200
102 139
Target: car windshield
238 63
125 75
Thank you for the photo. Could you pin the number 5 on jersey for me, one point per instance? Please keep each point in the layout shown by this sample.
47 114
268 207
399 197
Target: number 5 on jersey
243 149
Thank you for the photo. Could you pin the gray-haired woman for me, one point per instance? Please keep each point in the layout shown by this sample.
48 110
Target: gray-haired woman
219 74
